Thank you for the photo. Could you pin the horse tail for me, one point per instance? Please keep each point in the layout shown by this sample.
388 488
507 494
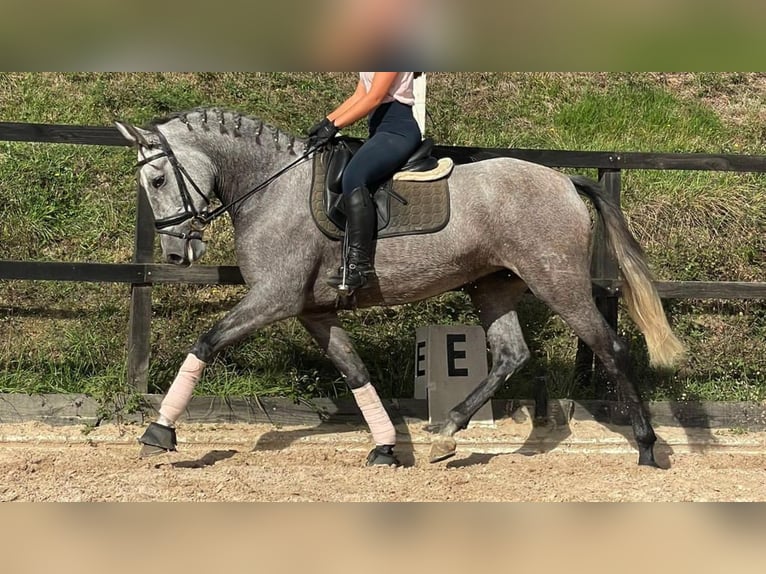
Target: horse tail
643 301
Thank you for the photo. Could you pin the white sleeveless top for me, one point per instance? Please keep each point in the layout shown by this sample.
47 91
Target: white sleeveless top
401 90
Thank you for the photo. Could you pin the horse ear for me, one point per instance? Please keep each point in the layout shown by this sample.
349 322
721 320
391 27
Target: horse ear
136 136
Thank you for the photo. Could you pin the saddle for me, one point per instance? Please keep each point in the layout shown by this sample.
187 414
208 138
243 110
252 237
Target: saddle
414 200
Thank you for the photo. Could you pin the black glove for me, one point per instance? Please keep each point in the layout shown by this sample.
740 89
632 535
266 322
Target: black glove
317 126
323 135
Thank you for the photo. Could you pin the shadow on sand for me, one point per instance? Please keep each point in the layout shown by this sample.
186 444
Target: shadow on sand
279 439
209 459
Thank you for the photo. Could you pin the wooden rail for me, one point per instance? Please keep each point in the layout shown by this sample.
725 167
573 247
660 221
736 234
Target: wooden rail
151 273
81 409
142 273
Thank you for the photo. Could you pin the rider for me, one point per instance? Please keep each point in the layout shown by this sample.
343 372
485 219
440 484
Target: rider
386 98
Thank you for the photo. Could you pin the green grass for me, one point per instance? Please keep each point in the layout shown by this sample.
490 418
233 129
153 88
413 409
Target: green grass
637 116
77 203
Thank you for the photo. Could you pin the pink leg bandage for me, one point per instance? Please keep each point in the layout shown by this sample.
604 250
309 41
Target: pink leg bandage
377 418
180 392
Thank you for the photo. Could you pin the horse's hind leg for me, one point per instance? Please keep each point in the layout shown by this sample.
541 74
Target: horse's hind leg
572 300
495 298
613 353
326 330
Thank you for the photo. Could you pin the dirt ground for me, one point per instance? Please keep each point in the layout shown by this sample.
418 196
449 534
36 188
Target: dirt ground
511 461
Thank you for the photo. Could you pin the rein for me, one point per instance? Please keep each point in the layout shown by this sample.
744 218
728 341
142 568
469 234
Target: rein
206 218
201 219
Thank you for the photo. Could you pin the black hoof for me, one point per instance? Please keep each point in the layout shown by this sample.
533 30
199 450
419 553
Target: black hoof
647 459
382 455
646 455
158 438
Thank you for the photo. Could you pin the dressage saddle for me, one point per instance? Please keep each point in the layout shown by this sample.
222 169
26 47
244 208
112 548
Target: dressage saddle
337 157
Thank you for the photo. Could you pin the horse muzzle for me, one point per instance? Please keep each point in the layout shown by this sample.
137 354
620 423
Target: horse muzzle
183 251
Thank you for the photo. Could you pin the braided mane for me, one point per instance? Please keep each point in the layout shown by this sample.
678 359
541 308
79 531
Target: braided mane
225 121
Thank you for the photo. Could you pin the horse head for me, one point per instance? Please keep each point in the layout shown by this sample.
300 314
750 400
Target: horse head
179 182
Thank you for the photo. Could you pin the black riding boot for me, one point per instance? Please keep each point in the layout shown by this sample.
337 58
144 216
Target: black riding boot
360 231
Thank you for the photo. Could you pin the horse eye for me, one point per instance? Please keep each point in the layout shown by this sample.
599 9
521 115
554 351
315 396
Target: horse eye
158 181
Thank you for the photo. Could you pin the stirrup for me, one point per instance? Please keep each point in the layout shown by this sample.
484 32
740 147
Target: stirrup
345 274
361 275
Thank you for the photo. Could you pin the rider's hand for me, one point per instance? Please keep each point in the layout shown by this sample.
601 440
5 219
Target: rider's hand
317 126
326 132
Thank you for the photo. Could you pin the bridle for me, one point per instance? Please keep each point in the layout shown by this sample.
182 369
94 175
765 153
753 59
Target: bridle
200 219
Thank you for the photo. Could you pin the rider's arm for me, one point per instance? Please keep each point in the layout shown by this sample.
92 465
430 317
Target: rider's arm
363 102
358 94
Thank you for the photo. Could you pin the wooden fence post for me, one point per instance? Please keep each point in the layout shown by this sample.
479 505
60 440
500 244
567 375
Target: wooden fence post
603 266
139 328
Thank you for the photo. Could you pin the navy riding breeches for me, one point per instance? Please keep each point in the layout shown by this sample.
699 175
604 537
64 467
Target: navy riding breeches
394 136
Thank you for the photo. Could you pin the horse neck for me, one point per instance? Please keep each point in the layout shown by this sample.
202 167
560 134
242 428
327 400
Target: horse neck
254 166
244 152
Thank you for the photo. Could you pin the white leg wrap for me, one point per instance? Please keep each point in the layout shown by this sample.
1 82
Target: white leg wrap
375 415
180 392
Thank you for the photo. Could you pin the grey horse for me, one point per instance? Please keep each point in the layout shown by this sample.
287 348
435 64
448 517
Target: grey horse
514 226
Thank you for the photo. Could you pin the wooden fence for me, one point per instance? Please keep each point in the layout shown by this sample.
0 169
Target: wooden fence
141 273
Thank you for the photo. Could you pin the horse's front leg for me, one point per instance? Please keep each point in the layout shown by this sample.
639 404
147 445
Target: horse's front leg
326 330
253 312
